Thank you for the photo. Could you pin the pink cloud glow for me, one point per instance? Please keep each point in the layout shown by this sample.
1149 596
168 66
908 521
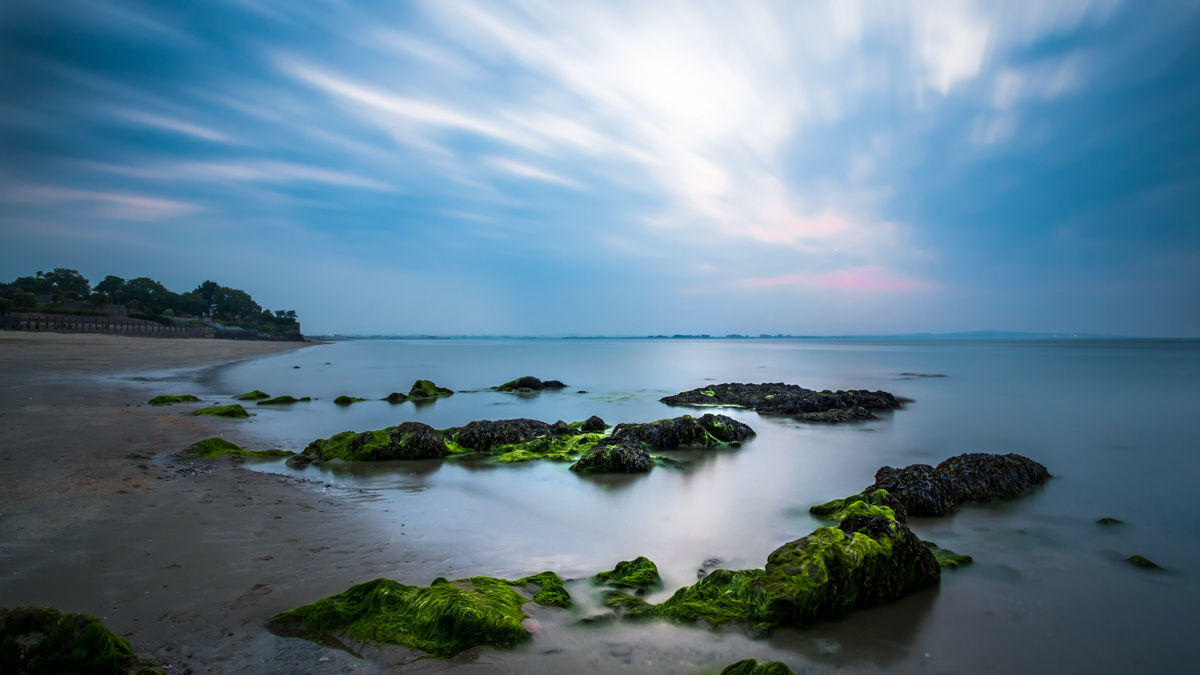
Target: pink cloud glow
870 278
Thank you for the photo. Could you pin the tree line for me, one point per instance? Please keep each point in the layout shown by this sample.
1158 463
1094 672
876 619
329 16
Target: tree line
140 295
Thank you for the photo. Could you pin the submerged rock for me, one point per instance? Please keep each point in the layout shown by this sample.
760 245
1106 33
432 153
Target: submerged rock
395 397
706 431
593 423
214 447
45 640
791 400
615 455
253 395
947 558
283 400
347 400
752 667
441 619
1142 562
529 383
640 573
171 400
556 447
933 491
231 410
410 440
427 389
1109 521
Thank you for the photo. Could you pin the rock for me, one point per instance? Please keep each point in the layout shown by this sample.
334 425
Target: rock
231 410
298 461
947 558
791 400
928 491
529 383
752 667
1142 562
211 448
347 400
283 400
441 619
614 455
45 640
563 429
875 503
410 440
592 424
640 573
171 400
555 447
253 395
483 435
1109 521
395 397
427 389
686 432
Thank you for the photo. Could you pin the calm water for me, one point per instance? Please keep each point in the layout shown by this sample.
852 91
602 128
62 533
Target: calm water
1114 421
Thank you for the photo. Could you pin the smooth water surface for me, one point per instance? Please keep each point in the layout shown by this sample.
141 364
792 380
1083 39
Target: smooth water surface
1114 421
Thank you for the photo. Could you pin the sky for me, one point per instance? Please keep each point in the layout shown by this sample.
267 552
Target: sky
618 168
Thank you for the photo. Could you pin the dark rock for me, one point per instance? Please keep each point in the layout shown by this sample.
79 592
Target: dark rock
483 435
45 640
427 389
410 440
1109 521
561 428
298 461
923 490
593 424
396 397
529 383
686 432
752 667
791 400
614 455
1142 562
347 400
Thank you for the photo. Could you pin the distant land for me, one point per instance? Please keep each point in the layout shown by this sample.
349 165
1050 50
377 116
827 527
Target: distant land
962 335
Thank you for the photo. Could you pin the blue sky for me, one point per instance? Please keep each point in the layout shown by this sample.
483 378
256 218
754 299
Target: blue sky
618 168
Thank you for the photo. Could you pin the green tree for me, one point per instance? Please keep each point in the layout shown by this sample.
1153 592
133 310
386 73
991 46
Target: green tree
67 283
35 285
150 295
231 304
112 287
207 290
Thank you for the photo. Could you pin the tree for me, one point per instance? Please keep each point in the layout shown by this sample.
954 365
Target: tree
150 295
207 290
67 283
35 285
231 304
111 287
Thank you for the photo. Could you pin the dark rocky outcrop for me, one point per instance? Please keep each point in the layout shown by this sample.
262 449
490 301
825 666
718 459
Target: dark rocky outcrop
231 410
45 640
791 400
426 389
254 395
614 455
1142 562
686 431
347 400
284 400
410 440
752 667
593 424
168 399
528 384
483 435
923 490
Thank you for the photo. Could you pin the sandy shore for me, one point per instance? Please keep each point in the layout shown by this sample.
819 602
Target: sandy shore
95 516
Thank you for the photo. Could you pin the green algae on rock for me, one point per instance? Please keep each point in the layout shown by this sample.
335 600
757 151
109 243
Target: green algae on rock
614 455
347 400
528 384
874 503
427 389
171 400
752 667
947 558
283 400
255 395
395 397
707 431
214 447
1143 562
441 619
556 448
231 410
640 573
410 440
45 640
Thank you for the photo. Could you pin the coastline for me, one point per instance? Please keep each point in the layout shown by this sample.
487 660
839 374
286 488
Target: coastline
96 517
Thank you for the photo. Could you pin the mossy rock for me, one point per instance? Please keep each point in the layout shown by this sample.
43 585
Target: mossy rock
614 455
441 619
231 410
410 440
706 431
427 389
1143 562
628 606
45 640
528 383
752 667
171 400
284 400
255 395
875 503
640 573
347 400
395 397
211 448
947 558
593 424
551 447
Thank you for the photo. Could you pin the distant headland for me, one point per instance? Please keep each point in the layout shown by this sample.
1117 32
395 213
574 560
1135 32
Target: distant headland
64 300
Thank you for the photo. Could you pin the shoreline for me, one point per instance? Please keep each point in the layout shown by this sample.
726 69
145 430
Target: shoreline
98 518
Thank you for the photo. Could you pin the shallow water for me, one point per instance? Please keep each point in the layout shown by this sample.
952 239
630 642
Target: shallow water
1114 421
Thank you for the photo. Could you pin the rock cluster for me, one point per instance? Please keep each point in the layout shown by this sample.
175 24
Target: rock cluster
529 384
792 400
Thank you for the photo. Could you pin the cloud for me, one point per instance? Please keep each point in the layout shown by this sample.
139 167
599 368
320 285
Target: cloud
870 279
117 205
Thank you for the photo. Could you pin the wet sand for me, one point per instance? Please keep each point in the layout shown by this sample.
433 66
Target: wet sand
96 517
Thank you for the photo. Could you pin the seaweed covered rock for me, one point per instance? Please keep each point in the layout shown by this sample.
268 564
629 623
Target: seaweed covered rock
410 440
211 448
640 573
1142 562
424 389
752 667
255 395
441 619
554 447
876 503
865 561
231 410
924 490
792 400
45 640
284 400
347 400
483 435
686 431
593 424
395 397
166 399
615 455
529 383
947 558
